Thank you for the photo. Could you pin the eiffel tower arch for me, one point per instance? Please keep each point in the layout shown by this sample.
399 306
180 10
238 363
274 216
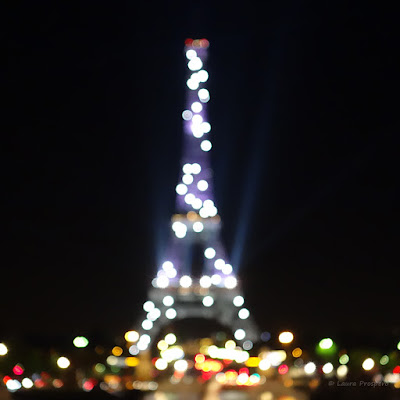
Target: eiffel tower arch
177 291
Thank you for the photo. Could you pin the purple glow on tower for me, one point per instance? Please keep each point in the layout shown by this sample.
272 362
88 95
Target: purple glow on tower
197 217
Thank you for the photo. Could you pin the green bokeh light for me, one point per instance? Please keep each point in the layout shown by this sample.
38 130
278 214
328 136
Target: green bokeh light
384 360
344 359
326 344
80 342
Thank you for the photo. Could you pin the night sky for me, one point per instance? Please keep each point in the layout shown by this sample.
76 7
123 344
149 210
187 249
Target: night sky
304 115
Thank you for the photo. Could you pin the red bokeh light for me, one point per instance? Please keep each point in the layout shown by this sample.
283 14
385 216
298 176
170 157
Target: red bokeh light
18 369
396 370
283 369
39 383
204 43
88 386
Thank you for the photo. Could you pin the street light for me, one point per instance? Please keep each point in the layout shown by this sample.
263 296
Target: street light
63 362
3 349
286 337
80 342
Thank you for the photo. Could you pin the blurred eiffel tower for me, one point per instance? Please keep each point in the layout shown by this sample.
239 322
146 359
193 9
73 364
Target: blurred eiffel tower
179 291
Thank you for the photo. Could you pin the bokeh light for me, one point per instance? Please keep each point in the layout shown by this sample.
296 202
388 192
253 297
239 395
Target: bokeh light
80 342
3 349
63 362
368 364
286 337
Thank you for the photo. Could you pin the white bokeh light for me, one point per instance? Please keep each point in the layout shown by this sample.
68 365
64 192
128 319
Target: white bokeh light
167 265
197 107
63 362
264 365
209 253
243 313
162 282
181 365
187 169
196 168
197 131
239 334
206 127
208 301
179 228
181 189
192 84
205 282
227 269
154 314
204 95
195 64
191 54
187 115
197 120
238 301
310 368
148 306
185 281
170 338
202 185
171 273
170 313
147 324
202 75
27 383
198 226
197 203
218 264
230 282
187 180
168 301
206 145
161 364
368 364
216 279
327 368
189 198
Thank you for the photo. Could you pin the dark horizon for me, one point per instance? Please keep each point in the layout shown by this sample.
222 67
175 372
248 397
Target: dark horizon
303 112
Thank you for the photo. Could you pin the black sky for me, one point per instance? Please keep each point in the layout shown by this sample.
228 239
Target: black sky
304 112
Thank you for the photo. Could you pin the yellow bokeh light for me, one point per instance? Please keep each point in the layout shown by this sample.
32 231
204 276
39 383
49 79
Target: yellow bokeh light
206 342
252 362
191 216
131 336
314 383
117 351
288 382
230 344
267 396
297 352
162 345
220 378
286 337
131 361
